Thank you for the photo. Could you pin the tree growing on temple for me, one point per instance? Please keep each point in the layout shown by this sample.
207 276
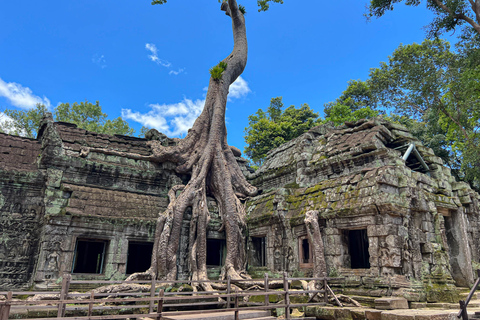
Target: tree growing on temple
205 156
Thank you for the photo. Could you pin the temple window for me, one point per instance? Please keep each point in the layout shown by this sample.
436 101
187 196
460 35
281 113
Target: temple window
216 249
305 252
358 249
139 256
89 256
259 251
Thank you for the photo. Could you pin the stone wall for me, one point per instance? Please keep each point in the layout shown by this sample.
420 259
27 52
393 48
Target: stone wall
52 196
414 226
388 225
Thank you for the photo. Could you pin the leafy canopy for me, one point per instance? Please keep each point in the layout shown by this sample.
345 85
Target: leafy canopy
268 130
439 89
85 115
449 14
263 5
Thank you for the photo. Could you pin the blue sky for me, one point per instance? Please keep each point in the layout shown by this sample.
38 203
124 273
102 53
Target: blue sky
150 63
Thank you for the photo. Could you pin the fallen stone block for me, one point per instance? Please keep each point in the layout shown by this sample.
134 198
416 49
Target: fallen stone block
391 303
373 314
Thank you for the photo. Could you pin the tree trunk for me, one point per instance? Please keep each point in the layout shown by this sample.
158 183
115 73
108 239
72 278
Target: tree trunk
315 237
206 156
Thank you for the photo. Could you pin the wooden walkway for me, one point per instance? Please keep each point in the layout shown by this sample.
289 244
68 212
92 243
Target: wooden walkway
224 315
150 303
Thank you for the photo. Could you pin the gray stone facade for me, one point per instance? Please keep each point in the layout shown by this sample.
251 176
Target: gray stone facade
57 204
389 226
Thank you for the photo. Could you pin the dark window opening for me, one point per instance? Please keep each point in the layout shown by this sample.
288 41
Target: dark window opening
139 256
358 248
305 252
89 256
259 254
215 252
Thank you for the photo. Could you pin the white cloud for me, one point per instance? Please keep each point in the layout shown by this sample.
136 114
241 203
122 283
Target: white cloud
99 60
176 72
171 119
154 56
238 89
175 119
20 96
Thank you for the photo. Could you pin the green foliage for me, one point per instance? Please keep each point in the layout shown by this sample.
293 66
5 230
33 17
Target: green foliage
23 123
439 89
242 9
358 95
217 71
268 130
223 65
90 117
264 4
85 115
340 113
143 131
449 14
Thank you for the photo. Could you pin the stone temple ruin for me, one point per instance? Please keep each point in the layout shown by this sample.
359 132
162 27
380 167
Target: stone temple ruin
393 219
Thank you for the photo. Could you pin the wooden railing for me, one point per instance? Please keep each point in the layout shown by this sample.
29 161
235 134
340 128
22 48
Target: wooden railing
463 304
158 302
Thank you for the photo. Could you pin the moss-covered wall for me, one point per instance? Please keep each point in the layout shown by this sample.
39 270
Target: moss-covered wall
421 226
55 194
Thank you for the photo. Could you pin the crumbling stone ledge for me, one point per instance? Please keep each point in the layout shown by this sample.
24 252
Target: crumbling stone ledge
354 313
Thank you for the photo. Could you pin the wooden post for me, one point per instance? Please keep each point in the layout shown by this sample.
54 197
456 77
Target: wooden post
229 291
90 304
267 296
287 296
63 294
325 284
152 294
463 310
5 309
160 304
236 305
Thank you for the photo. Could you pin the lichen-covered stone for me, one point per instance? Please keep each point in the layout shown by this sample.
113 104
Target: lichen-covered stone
421 226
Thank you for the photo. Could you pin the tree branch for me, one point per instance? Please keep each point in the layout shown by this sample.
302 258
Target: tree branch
449 115
462 16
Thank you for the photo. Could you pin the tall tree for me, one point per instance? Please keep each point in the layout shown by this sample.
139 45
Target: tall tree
357 95
429 83
85 115
23 123
268 130
340 113
205 155
449 14
90 117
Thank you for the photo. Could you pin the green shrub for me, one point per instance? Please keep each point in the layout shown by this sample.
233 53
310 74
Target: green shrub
222 65
217 71
242 9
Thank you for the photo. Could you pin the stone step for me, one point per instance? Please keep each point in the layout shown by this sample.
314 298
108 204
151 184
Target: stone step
392 303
